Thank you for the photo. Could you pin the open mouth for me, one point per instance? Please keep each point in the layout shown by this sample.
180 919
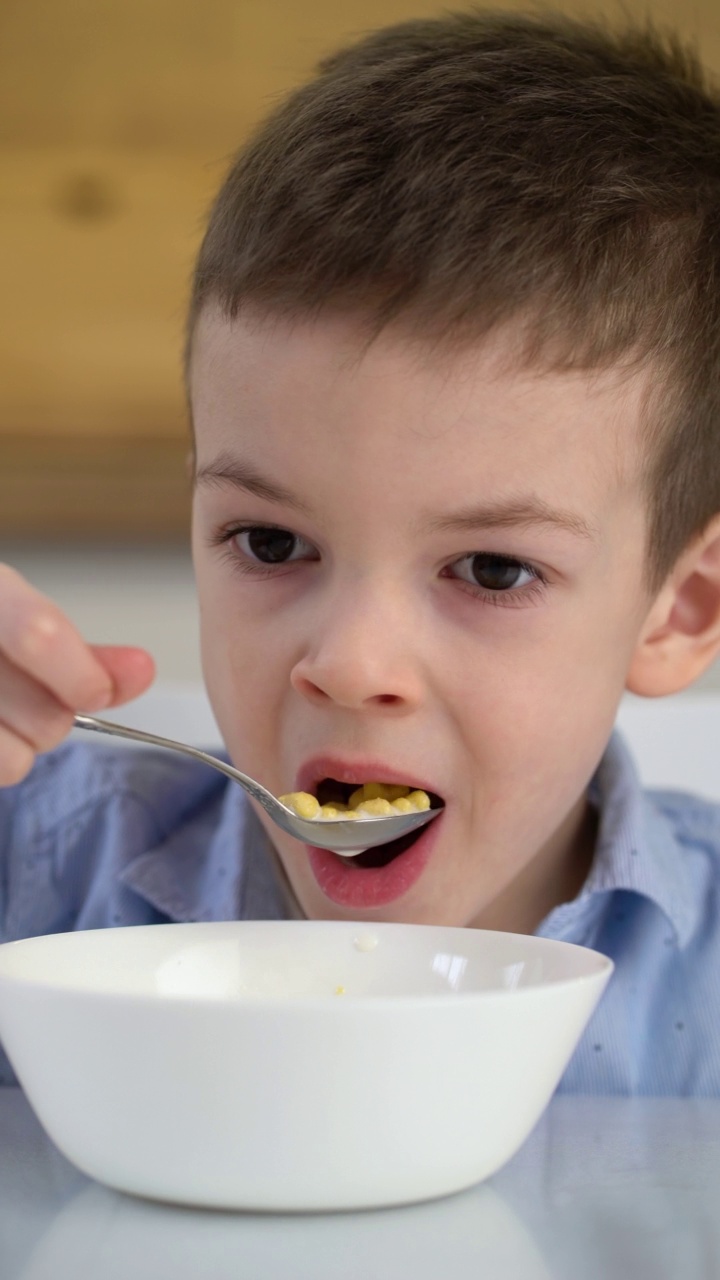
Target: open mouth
377 878
331 791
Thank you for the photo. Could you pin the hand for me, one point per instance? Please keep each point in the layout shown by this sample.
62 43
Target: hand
48 672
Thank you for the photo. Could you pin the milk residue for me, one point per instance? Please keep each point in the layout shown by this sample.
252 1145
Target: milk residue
365 942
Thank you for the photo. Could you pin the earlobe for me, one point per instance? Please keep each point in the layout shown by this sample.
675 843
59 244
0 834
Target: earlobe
681 634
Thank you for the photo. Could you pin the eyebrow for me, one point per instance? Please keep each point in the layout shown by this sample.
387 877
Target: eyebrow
225 470
517 513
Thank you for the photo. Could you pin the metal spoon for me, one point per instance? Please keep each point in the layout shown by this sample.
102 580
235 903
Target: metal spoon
348 837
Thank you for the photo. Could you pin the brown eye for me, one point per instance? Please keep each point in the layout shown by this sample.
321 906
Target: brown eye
496 574
273 546
493 573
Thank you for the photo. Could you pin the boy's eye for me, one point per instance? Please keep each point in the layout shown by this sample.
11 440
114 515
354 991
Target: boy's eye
493 573
269 545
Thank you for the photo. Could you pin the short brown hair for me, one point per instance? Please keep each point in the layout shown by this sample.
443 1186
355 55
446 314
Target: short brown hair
461 172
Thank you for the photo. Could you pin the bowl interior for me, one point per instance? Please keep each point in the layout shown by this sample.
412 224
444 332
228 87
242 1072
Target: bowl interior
295 960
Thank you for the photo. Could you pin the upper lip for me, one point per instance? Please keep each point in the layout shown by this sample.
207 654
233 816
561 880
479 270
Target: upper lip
345 769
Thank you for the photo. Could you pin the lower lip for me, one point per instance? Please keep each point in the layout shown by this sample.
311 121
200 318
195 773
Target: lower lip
348 885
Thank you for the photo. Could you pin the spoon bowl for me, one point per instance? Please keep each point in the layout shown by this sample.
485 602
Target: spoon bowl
345 836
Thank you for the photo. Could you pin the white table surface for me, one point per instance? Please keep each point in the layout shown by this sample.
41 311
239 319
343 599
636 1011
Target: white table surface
621 1188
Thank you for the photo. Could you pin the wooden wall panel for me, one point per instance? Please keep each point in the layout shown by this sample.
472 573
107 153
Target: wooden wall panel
117 118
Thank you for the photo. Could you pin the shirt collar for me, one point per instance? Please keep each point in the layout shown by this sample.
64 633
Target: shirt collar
636 850
213 867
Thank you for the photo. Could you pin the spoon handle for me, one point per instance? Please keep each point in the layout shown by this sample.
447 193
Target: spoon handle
266 799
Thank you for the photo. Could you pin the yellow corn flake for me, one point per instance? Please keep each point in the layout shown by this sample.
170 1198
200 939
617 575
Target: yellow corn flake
340 991
330 812
374 791
377 791
403 805
396 793
373 799
376 808
302 803
385 791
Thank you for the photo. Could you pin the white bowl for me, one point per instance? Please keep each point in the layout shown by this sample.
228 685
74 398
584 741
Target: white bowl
292 1065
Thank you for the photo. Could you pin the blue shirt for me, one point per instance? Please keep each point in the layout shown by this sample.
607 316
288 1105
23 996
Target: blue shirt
99 836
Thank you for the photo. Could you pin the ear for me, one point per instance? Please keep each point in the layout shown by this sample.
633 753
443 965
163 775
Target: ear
681 633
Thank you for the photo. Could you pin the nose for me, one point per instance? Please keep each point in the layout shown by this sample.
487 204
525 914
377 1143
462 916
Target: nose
363 654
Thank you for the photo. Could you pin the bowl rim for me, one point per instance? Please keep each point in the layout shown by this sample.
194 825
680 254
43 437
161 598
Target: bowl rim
332 1000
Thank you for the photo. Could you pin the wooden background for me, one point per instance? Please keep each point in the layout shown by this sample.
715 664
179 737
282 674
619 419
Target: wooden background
117 120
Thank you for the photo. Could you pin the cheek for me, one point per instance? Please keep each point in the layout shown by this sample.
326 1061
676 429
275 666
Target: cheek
535 710
244 669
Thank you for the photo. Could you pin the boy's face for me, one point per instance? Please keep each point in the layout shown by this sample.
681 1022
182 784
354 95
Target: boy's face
424 569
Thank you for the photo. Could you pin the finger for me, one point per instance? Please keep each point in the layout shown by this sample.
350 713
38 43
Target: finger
131 670
29 711
16 758
37 638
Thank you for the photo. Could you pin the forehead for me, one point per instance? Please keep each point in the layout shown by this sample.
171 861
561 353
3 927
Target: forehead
279 385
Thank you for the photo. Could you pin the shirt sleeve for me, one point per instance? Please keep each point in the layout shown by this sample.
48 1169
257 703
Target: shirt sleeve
66 832
72 829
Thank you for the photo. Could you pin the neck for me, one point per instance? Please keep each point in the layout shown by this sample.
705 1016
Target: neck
554 876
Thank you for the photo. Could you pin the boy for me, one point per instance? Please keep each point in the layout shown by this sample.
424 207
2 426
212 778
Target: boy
453 367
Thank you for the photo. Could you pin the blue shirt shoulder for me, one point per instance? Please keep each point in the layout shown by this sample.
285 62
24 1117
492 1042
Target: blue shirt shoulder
652 903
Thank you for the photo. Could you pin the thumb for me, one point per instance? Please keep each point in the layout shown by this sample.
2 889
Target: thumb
131 670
